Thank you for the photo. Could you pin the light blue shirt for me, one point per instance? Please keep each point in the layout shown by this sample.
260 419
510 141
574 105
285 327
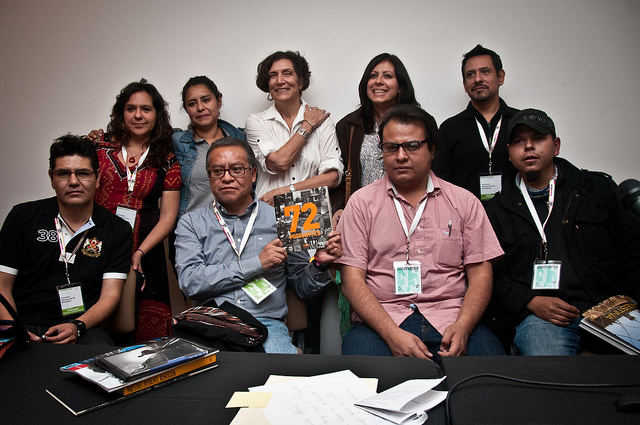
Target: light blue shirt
208 267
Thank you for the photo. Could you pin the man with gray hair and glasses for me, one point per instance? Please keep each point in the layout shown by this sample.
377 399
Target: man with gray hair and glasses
226 248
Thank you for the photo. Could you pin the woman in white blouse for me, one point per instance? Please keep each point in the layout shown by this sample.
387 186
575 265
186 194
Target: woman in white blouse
295 144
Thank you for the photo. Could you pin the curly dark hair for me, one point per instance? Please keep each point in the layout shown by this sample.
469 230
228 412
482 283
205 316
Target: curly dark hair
300 66
406 93
160 139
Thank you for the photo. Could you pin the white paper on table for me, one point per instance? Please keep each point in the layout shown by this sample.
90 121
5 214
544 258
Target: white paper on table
321 400
414 418
406 402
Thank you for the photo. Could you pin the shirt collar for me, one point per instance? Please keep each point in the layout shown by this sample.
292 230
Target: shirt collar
249 210
431 187
472 112
88 225
273 114
541 192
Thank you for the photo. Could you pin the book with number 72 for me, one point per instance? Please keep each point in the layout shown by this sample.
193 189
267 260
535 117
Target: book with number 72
303 218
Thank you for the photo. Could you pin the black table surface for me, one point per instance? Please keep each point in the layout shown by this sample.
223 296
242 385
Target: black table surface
496 401
26 374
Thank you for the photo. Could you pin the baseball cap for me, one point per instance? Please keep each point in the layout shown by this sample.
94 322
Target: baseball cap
533 118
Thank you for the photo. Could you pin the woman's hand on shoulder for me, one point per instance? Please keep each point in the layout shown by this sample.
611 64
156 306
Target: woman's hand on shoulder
268 197
95 135
315 116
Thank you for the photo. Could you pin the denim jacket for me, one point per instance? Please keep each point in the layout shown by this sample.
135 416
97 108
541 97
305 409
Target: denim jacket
186 152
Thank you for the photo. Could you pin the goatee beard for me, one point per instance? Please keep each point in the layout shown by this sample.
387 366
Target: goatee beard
532 176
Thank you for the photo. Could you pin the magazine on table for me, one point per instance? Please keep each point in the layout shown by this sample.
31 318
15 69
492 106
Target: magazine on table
616 320
142 360
93 371
101 388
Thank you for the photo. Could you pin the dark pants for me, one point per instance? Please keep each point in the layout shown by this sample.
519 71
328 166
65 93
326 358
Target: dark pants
363 341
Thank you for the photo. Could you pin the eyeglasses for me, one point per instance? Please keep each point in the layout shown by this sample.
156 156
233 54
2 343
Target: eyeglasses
64 174
411 146
218 172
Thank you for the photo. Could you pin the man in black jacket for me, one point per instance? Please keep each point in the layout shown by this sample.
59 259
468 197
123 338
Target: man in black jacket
568 244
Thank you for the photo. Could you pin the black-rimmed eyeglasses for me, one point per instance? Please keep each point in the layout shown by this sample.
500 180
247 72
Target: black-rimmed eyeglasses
64 174
411 146
218 172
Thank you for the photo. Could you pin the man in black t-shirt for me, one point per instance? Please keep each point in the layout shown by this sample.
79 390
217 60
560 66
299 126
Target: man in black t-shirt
63 260
473 149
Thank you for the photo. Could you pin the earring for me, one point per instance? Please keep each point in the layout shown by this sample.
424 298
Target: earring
269 97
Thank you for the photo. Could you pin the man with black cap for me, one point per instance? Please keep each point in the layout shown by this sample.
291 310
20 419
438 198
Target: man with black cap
568 244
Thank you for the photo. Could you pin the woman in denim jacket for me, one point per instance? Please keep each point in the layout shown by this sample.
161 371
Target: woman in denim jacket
202 101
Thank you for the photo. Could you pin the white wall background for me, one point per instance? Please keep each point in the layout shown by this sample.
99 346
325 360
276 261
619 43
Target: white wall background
63 62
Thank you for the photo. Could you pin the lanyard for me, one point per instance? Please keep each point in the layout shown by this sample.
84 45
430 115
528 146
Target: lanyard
494 139
227 231
416 219
63 249
532 209
131 177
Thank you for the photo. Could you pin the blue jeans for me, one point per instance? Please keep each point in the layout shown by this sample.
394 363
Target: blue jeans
278 340
538 337
364 341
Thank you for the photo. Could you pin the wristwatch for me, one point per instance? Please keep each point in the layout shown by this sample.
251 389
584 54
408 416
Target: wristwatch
321 267
81 326
304 133
292 187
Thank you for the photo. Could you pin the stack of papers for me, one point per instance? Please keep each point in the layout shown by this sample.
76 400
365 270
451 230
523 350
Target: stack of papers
407 402
339 397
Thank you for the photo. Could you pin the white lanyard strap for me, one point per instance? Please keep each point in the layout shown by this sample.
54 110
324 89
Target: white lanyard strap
416 220
532 209
131 176
494 139
63 249
227 231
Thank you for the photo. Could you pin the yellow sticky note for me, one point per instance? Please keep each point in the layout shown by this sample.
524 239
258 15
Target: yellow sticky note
249 399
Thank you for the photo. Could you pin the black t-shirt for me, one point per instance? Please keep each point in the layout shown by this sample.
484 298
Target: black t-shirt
29 248
462 156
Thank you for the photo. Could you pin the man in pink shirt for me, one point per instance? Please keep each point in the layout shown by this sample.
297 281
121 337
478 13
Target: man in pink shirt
417 254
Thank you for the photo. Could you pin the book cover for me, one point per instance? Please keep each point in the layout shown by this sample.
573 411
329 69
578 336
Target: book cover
617 321
153 356
93 372
303 218
81 397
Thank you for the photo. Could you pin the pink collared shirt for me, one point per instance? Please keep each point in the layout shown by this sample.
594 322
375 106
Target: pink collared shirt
373 238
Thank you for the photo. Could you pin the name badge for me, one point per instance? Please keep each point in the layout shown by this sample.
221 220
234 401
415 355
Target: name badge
408 277
71 257
546 275
490 184
127 214
71 299
258 289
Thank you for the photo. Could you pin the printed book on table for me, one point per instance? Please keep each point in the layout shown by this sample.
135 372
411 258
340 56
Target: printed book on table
101 388
137 361
81 397
617 321
303 218
92 370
